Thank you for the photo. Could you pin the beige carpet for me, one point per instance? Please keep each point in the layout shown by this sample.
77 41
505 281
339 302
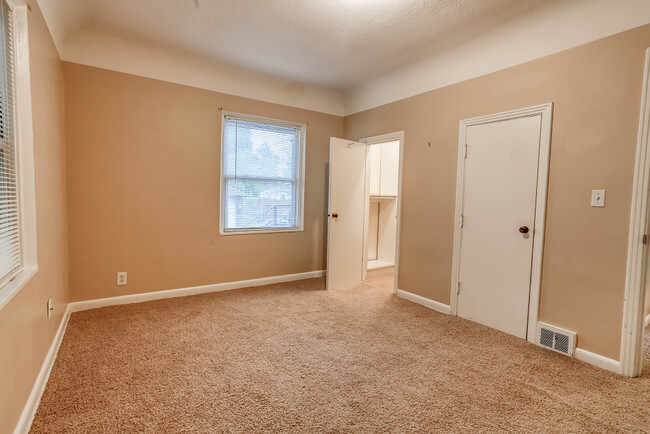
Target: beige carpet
293 357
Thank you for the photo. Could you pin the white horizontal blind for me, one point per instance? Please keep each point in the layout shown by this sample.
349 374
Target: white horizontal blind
10 249
261 175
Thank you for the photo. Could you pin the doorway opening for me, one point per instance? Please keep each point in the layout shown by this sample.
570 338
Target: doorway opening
364 211
382 173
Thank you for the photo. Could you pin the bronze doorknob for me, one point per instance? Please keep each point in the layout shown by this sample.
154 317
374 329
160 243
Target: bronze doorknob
335 215
523 229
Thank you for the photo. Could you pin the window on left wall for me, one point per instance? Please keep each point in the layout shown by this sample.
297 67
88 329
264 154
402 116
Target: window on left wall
18 258
10 246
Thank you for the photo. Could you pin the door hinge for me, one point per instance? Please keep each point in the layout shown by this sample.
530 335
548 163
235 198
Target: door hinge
466 151
462 221
458 288
645 238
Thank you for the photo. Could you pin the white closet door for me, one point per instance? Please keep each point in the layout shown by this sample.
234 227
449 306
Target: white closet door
389 168
347 194
499 221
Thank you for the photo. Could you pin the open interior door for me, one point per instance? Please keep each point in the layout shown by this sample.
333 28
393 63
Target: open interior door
347 193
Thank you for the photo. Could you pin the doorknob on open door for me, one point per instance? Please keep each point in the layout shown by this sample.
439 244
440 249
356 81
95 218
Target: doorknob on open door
523 229
335 215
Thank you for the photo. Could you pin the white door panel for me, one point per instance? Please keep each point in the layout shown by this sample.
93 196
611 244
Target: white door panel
346 212
499 197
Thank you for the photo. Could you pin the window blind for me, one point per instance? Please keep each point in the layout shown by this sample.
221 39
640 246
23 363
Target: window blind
261 175
10 248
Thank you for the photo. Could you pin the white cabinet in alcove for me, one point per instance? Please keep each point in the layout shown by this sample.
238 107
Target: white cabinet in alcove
374 166
383 177
389 168
383 162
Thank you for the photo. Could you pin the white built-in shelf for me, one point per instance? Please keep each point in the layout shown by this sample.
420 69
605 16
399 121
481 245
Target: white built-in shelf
383 196
377 264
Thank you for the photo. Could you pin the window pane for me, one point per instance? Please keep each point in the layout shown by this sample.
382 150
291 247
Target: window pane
261 169
251 204
10 253
255 149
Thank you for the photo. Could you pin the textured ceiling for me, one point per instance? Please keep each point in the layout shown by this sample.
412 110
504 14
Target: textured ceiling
335 43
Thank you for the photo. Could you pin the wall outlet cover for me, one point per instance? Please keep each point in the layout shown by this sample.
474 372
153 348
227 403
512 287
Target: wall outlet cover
121 278
598 198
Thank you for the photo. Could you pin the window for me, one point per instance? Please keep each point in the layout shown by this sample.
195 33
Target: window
262 175
18 252
10 248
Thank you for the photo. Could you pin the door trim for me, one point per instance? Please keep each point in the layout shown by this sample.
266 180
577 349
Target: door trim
399 135
637 255
546 113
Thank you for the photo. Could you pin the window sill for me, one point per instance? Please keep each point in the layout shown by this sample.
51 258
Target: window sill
11 288
259 231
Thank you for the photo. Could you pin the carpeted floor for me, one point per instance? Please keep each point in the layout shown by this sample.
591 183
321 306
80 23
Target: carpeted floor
293 357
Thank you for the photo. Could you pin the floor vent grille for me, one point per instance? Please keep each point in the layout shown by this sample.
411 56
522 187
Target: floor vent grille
556 339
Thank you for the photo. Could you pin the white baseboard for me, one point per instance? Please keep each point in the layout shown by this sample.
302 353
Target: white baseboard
34 399
31 406
646 321
182 292
431 304
598 360
580 354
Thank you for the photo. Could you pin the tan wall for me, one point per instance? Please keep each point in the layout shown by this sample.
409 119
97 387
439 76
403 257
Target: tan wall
143 187
596 89
25 332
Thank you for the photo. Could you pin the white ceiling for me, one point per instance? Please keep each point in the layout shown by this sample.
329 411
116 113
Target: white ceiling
310 49
335 43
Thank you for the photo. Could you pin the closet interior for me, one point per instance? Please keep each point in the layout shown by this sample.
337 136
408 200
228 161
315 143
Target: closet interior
383 180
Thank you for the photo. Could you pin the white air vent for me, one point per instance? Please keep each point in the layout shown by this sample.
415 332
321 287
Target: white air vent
556 339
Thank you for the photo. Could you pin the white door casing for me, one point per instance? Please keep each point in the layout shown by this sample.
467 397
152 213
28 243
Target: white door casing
501 187
637 256
346 226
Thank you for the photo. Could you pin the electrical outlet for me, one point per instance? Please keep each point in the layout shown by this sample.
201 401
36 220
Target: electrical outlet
598 198
121 278
50 308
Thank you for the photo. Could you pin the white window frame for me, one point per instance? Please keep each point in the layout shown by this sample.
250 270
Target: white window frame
24 156
301 175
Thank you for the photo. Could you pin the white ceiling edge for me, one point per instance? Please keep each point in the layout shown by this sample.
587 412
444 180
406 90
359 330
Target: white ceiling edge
546 32
107 51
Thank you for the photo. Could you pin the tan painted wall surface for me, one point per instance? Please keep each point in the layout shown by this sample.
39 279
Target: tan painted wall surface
25 332
596 89
143 187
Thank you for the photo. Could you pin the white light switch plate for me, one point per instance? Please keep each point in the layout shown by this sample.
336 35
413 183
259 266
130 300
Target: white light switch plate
598 198
121 278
